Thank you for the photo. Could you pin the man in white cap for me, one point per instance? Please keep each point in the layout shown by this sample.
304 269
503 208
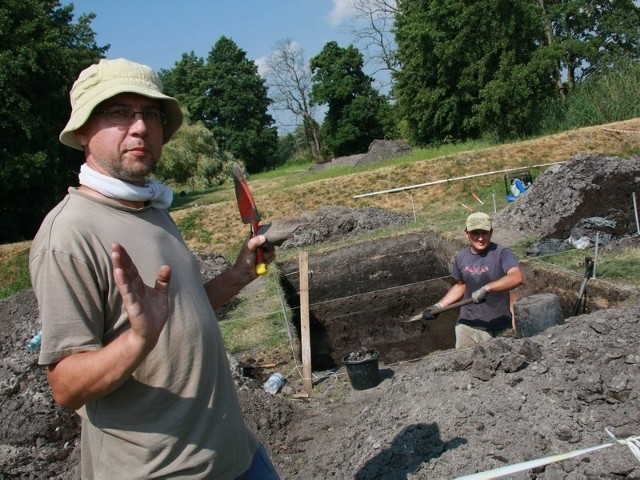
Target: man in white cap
487 273
139 356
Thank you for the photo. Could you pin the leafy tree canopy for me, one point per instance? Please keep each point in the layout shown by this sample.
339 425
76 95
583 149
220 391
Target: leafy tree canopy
355 109
483 68
589 37
41 53
458 62
227 94
193 159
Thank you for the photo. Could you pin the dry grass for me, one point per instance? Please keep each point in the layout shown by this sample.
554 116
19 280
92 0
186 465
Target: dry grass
277 199
9 250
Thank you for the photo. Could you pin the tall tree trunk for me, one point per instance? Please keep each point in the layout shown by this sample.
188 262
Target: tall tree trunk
312 134
557 73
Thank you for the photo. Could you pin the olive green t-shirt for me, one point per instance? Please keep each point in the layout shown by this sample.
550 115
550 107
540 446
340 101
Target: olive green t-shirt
178 415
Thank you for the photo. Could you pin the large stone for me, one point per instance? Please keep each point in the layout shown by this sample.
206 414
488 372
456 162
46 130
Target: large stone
536 313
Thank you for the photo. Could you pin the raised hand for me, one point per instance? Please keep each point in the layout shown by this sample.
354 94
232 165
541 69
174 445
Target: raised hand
146 306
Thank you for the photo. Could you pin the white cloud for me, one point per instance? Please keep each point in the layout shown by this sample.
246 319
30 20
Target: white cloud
295 45
262 65
261 62
340 12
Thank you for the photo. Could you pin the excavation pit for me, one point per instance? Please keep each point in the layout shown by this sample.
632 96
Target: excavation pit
361 296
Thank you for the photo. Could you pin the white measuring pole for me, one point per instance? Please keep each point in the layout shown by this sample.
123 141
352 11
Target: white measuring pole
413 207
454 179
595 255
635 211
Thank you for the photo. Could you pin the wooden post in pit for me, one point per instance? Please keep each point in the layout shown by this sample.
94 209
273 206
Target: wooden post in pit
305 334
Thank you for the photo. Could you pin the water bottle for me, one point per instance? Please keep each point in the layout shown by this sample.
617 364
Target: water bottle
33 344
274 383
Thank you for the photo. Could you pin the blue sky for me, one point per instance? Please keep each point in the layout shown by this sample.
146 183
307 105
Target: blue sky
158 32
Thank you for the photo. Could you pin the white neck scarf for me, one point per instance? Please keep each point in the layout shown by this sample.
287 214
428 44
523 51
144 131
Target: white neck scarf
155 192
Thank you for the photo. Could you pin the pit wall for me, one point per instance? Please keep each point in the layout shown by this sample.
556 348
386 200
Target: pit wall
360 295
599 295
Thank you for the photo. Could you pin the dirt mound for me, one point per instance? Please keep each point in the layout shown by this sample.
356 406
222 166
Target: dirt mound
378 150
586 186
37 437
331 223
503 402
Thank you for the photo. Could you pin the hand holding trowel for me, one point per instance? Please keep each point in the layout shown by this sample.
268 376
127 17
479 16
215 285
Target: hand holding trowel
249 213
434 311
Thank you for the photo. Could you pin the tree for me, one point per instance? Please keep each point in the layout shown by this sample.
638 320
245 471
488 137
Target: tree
355 109
372 29
585 38
186 82
477 68
289 77
227 94
193 158
468 68
41 54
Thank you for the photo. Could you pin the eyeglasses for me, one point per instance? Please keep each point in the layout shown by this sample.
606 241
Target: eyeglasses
126 116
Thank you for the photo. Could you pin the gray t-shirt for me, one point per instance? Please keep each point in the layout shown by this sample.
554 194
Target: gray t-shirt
476 270
178 415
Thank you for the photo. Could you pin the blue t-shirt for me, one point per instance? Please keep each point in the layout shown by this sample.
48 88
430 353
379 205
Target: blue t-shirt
476 270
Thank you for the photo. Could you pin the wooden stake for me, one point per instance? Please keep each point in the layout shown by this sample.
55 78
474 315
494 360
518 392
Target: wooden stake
477 198
305 332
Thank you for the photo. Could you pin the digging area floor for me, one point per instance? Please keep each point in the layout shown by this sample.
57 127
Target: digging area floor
450 414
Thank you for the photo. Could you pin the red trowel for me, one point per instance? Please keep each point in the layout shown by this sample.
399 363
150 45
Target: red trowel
248 212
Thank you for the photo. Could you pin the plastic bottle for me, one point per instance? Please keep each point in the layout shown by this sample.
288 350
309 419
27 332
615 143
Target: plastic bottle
519 185
34 343
274 383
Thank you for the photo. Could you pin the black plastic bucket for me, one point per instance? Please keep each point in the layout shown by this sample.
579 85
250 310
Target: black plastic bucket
363 373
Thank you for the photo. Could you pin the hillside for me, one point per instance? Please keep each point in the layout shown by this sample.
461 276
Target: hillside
275 199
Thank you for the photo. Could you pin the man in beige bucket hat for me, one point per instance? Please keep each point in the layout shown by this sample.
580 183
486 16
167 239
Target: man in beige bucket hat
485 273
139 357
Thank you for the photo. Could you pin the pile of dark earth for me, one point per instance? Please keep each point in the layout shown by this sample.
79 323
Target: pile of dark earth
588 198
378 150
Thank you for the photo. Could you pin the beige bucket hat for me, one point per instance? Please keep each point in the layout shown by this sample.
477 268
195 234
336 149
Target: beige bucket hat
107 79
479 221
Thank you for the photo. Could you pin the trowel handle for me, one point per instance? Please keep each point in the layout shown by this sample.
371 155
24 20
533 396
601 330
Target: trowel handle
261 266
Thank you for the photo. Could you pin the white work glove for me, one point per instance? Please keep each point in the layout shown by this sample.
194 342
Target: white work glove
479 295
